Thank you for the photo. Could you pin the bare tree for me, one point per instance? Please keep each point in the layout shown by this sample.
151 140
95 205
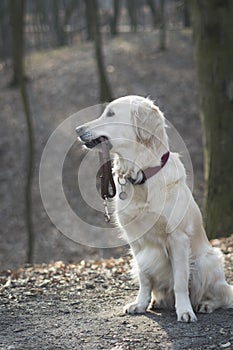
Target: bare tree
30 170
186 16
62 13
212 24
162 30
154 12
89 21
132 11
4 31
16 11
105 89
115 17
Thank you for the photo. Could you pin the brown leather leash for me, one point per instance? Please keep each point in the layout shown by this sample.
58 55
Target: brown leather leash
108 188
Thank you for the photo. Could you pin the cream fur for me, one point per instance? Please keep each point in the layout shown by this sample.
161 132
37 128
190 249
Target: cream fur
173 260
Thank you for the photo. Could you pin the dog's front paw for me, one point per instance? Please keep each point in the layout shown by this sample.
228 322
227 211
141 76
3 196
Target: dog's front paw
134 308
186 316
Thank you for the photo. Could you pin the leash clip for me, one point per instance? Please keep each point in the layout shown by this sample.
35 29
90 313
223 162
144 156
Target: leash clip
122 182
106 212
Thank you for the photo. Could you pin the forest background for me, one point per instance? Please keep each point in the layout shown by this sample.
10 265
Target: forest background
60 56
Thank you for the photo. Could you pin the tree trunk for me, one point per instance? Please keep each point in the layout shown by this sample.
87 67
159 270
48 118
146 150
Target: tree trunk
186 16
132 11
115 17
17 27
105 90
154 12
162 30
88 15
30 170
69 11
17 22
4 32
59 31
212 23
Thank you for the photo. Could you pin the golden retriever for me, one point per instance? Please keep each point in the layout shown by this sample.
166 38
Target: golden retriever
173 259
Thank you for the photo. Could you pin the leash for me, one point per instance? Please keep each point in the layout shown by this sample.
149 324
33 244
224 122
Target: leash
108 188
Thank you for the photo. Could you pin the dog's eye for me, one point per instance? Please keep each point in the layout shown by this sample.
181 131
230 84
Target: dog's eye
110 113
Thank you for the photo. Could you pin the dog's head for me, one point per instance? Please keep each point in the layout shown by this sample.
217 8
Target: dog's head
126 122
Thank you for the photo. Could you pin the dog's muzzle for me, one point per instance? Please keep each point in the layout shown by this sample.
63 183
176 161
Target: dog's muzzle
87 138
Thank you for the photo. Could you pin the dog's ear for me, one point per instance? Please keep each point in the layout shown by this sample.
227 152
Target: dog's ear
149 124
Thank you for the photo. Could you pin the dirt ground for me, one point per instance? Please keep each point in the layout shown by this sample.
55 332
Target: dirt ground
79 306
63 82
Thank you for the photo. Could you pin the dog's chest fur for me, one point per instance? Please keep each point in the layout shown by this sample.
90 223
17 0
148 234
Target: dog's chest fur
145 230
140 202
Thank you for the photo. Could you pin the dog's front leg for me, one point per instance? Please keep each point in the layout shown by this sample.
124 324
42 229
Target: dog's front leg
179 246
144 296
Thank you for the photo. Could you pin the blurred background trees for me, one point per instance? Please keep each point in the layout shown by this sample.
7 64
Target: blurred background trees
38 25
105 89
150 36
55 22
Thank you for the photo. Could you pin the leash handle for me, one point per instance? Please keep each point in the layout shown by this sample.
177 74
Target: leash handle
108 188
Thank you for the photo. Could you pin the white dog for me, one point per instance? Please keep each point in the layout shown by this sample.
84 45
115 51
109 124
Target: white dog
175 263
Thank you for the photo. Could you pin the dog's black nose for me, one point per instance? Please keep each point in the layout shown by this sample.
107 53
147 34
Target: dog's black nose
80 131
84 134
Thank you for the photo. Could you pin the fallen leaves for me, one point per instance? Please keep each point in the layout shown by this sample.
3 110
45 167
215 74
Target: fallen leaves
32 281
107 276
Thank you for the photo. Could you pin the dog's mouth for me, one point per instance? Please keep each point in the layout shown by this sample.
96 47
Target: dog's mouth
96 142
108 189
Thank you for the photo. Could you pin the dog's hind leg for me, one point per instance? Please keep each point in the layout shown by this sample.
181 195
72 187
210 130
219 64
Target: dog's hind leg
221 297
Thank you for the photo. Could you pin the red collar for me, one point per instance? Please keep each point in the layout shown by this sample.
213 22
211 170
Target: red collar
149 172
